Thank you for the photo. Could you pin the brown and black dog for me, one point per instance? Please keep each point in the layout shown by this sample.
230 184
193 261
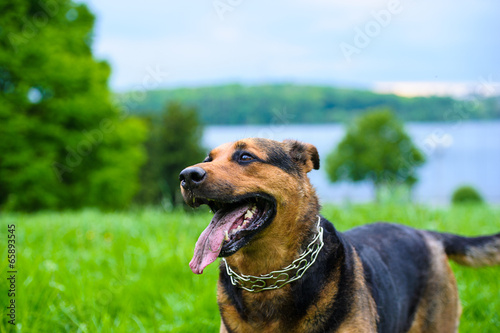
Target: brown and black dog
286 269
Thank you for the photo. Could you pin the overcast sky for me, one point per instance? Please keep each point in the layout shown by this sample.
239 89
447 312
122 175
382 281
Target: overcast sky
410 44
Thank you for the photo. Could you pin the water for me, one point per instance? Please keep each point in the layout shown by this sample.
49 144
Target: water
463 153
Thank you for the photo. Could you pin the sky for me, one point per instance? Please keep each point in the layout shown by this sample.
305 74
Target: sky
410 47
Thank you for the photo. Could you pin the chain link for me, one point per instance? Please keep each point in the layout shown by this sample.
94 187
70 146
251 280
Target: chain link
279 278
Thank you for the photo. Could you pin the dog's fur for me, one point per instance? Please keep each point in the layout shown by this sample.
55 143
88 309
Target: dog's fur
376 278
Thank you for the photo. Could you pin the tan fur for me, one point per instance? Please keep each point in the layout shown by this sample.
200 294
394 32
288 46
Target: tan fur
363 317
253 302
222 327
487 255
439 308
322 305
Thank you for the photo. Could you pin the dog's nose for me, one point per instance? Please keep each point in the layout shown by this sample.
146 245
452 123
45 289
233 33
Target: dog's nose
192 177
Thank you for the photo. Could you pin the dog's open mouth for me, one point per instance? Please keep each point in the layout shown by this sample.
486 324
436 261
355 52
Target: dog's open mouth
232 227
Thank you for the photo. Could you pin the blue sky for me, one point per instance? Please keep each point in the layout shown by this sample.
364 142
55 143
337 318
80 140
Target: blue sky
417 45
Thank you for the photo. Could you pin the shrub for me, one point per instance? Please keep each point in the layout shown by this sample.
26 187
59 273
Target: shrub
466 194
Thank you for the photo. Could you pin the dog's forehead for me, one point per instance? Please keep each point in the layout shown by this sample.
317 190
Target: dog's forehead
258 146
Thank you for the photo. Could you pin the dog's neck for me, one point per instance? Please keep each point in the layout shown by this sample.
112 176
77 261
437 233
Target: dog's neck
279 245
279 278
269 308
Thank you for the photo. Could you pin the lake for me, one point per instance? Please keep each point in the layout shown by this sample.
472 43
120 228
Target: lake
461 153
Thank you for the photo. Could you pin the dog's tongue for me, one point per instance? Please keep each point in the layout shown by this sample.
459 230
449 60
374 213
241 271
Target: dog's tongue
209 244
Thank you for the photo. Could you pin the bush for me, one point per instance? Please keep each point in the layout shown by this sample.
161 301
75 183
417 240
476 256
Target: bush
466 194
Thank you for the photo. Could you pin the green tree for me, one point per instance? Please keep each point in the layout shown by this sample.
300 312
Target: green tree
174 144
375 148
63 143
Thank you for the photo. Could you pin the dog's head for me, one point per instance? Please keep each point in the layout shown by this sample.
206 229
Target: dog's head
247 184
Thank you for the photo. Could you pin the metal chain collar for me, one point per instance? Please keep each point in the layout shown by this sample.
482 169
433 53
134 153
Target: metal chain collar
279 278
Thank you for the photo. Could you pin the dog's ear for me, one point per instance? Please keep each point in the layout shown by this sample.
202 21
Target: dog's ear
304 154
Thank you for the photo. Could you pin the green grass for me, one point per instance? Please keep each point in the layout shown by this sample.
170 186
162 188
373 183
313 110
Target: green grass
128 272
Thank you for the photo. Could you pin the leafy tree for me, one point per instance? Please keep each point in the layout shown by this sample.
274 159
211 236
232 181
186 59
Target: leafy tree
375 148
63 143
174 144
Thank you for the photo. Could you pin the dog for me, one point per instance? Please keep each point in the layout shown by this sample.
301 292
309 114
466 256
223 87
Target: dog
285 268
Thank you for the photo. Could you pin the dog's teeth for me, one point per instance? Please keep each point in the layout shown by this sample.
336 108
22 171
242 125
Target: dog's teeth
226 235
234 231
248 214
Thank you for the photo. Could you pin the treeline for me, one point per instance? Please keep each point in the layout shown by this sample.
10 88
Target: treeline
286 103
63 143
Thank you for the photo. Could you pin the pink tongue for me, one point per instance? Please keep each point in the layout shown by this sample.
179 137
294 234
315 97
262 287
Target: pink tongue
209 244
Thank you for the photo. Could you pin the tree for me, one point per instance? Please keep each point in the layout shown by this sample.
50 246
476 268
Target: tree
174 144
375 148
63 143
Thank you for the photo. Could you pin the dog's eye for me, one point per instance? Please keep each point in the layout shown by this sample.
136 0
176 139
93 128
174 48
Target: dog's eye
243 157
207 159
246 157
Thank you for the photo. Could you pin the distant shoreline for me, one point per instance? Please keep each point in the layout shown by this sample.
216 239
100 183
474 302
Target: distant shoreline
302 104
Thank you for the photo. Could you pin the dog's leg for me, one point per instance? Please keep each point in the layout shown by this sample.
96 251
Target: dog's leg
363 317
439 309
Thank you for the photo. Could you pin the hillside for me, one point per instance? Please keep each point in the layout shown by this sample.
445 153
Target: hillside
265 104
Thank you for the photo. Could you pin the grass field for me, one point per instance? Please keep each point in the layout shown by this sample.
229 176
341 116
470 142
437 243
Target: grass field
128 272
